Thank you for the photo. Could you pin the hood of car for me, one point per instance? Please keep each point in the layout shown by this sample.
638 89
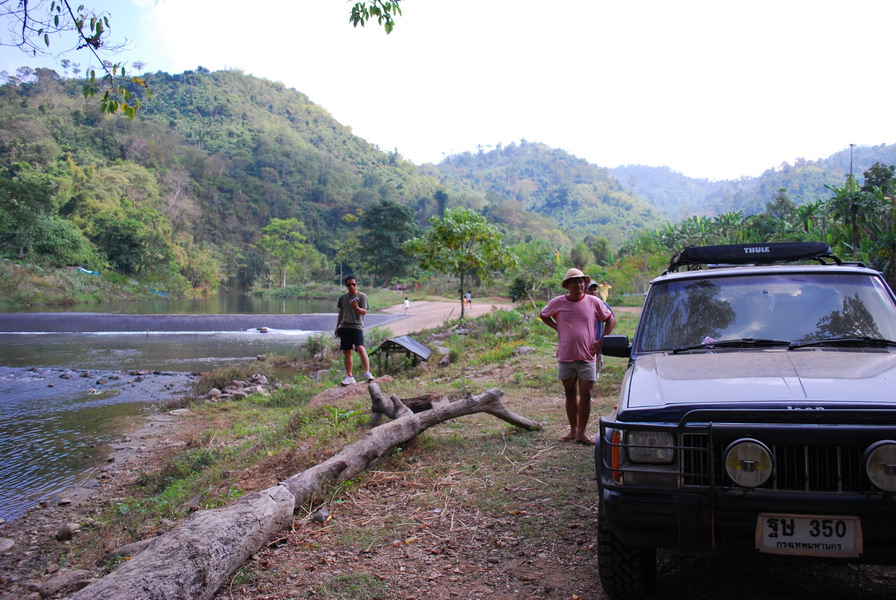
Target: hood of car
802 376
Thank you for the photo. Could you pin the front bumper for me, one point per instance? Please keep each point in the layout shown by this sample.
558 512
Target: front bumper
691 504
727 522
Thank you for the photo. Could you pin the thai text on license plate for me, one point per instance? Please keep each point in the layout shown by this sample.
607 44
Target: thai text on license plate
809 535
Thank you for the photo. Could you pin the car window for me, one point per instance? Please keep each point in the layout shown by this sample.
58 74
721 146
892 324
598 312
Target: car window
795 307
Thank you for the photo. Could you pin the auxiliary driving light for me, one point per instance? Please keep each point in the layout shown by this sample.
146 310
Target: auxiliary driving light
748 462
880 464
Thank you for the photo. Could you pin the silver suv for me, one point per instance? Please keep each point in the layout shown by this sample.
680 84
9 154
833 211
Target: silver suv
757 414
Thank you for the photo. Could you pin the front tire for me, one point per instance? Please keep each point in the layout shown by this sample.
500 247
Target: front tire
626 572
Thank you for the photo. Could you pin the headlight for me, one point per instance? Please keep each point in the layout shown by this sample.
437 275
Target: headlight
880 464
748 462
650 447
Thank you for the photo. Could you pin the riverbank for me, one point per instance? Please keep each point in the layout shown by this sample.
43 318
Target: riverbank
150 441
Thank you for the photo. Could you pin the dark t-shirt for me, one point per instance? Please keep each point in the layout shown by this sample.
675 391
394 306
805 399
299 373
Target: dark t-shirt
351 319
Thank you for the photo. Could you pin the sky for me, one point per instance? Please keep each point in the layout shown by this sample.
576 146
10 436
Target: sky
716 90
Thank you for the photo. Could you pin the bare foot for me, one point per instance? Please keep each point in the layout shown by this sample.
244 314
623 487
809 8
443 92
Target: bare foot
584 440
568 437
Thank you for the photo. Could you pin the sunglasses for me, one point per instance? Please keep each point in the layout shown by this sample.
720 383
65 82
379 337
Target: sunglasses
351 284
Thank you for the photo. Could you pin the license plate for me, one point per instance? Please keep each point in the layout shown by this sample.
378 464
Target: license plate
809 535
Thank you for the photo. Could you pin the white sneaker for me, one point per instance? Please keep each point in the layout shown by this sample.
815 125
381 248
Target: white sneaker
369 376
348 380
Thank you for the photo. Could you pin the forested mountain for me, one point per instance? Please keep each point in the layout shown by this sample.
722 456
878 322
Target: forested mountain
678 196
183 194
228 179
582 197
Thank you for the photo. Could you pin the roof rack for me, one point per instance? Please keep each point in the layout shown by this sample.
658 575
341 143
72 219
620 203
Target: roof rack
696 257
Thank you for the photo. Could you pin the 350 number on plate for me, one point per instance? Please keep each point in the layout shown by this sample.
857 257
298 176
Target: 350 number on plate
809 535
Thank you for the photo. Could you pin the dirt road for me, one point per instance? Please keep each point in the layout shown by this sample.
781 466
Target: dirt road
425 314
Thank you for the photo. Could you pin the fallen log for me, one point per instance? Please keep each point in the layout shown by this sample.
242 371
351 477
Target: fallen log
378 442
194 559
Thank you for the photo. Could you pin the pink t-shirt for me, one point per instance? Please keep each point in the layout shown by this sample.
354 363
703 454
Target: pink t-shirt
576 325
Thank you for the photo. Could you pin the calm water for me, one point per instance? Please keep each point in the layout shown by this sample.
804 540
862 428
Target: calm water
219 304
64 396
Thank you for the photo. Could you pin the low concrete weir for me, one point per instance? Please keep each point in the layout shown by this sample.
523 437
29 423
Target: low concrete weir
109 323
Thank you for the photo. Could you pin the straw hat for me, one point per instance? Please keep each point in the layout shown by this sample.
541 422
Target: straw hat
574 274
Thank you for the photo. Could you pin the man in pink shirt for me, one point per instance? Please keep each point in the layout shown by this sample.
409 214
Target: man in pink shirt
574 316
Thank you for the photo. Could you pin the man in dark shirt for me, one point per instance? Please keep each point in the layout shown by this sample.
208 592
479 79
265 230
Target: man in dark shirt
350 329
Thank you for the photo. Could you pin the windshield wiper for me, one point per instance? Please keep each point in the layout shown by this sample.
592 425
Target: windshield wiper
735 343
861 341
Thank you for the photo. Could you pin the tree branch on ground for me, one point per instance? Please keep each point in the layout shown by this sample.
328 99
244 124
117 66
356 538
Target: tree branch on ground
194 559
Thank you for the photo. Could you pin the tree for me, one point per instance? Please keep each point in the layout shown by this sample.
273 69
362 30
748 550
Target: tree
782 207
283 241
880 176
26 195
460 243
387 226
384 11
580 255
535 267
202 266
600 248
121 240
308 264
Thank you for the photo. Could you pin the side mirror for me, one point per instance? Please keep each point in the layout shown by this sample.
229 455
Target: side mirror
616 345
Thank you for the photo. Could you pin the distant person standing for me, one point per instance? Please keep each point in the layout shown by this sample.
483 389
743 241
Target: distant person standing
469 297
599 326
407 306
574 316
603 290
350 329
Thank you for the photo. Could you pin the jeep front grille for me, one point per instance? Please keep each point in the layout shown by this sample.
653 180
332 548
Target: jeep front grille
798 467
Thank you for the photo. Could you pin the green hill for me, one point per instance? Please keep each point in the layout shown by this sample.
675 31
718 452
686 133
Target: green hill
581 197
179 195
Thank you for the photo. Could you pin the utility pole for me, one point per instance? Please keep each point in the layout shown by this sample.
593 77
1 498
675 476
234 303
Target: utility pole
851 146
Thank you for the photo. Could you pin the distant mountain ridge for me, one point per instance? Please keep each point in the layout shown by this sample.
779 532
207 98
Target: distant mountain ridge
677 196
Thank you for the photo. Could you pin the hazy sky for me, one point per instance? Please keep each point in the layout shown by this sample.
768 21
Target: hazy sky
708 88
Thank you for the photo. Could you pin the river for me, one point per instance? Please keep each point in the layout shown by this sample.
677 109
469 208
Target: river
71 382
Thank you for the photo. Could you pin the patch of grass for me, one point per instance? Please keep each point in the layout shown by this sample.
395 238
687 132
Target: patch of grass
322 345
23 285
243 576
353 586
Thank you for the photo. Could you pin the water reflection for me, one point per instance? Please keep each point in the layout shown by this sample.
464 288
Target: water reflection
208 305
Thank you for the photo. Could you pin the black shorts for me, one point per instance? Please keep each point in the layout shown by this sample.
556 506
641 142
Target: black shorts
350 338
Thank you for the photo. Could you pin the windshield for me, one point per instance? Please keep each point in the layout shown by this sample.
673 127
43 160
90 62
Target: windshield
792 307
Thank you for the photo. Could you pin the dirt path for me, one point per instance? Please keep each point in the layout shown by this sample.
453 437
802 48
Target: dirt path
426 314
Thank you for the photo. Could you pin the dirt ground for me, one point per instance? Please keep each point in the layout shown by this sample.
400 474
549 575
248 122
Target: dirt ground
437 523
425 314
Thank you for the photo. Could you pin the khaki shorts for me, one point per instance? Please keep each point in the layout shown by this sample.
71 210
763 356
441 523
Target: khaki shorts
586 371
